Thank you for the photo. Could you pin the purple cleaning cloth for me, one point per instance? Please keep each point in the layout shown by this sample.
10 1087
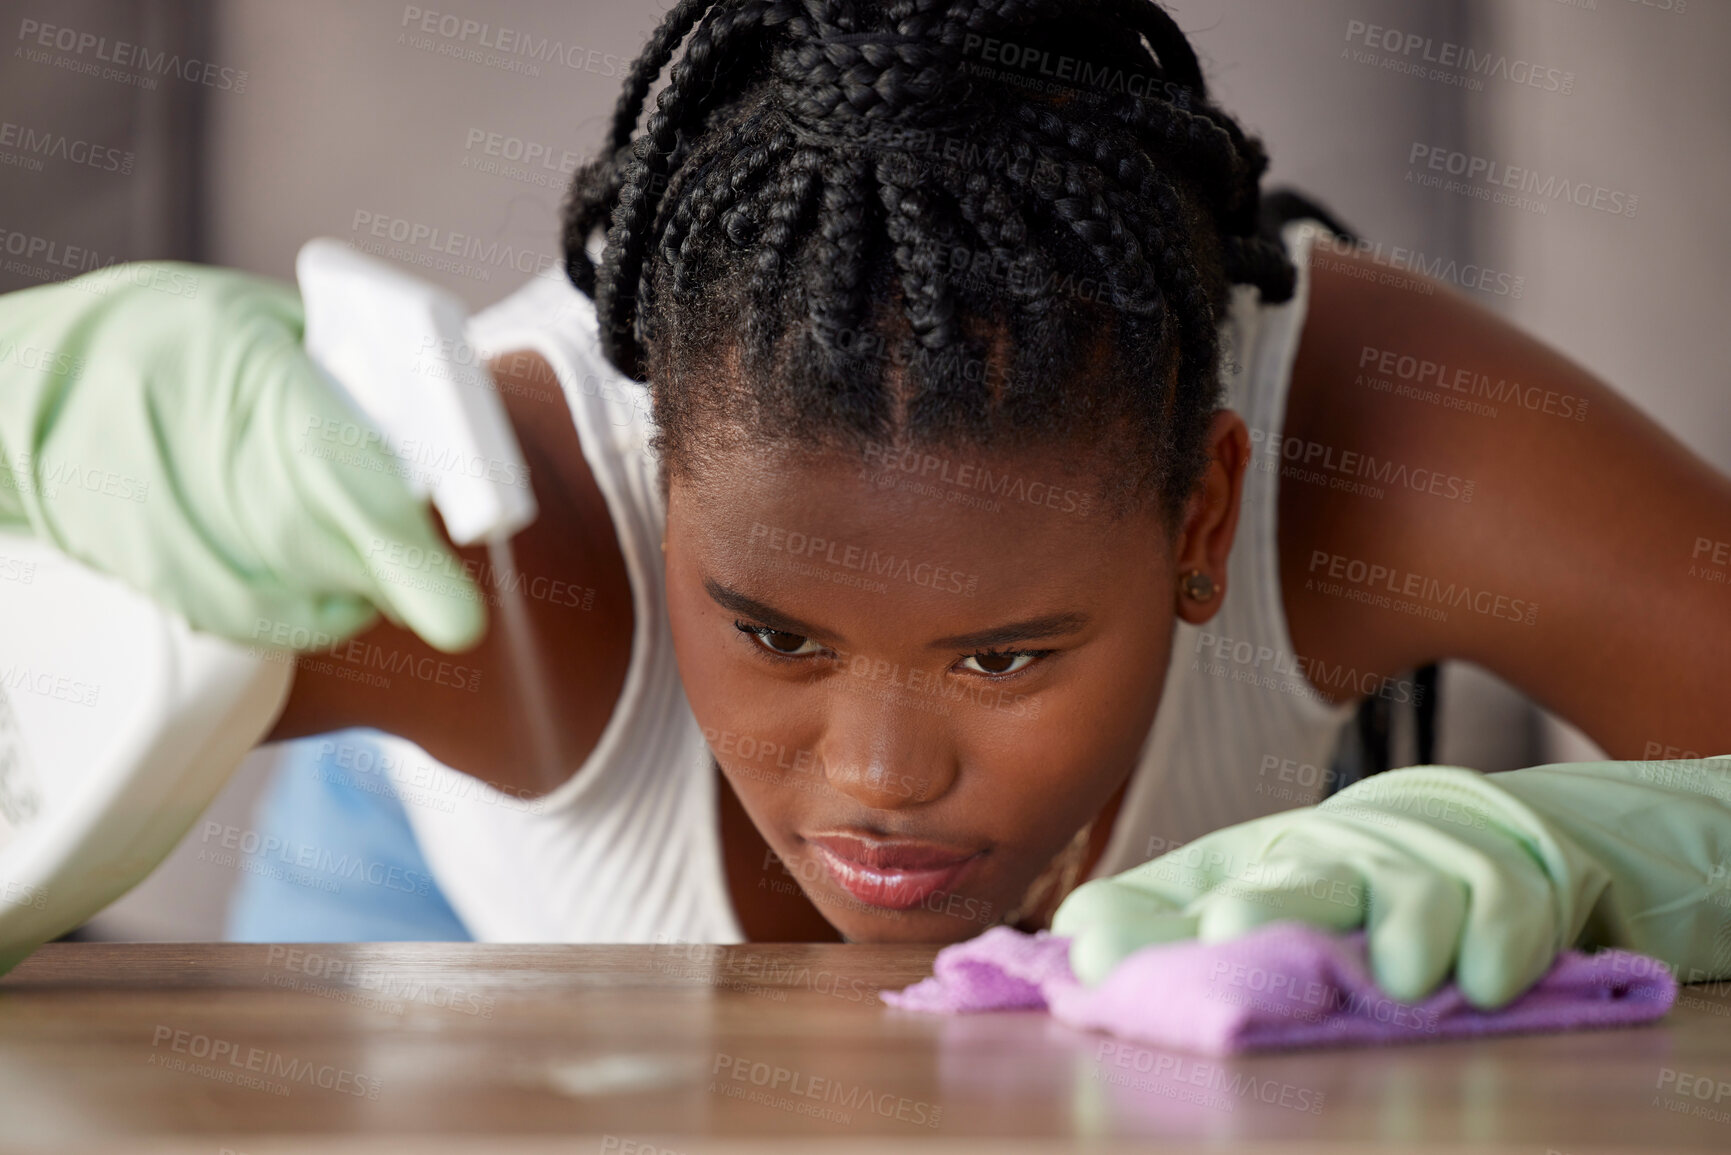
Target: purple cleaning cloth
1283 986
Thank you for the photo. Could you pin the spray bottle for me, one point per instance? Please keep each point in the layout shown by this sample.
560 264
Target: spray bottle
119 722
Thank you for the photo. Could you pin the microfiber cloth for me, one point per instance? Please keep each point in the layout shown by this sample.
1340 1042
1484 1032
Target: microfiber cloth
1280 987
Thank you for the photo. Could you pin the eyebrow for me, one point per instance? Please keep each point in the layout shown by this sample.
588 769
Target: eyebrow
1045 626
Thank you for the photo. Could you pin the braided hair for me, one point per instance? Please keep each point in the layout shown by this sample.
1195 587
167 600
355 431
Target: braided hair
880 221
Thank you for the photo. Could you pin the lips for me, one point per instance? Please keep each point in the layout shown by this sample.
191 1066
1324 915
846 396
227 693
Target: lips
894 875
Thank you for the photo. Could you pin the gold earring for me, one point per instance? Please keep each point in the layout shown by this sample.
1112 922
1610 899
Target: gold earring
1197 586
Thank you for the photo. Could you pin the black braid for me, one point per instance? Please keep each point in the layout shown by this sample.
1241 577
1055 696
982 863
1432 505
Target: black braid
821 181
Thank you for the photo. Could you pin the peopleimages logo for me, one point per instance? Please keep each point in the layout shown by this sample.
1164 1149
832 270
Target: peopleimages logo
1461 59
801 1092
1465 274
1437 376
883 461
424 244
513 46
350 867
854 557
55 255
344 972
1069 71
236 1057
1488 177
59 146
1422 587
126 55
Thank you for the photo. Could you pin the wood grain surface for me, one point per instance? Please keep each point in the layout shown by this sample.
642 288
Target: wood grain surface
656 1050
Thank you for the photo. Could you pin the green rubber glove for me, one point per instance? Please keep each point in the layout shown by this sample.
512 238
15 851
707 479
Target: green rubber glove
1449 871
160 422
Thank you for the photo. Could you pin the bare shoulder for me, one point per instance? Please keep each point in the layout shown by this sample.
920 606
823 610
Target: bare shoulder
1453 487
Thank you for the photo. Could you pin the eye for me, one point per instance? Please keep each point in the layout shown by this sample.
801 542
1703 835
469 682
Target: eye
779 642
1001 663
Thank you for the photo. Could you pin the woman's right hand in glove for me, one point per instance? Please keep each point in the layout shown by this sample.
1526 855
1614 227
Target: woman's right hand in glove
161 422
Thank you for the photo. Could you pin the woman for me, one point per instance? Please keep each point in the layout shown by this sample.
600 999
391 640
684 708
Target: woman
972 588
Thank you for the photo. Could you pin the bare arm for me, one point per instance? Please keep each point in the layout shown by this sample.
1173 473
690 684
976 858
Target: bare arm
465 709
1579 567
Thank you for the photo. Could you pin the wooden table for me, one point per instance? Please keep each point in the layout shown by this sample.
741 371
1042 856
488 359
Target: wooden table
429 1048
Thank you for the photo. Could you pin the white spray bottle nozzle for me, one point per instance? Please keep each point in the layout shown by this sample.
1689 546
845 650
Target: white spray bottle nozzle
395 346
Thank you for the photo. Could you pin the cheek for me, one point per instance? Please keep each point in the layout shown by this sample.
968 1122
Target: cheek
753 730
1041 778
1049 774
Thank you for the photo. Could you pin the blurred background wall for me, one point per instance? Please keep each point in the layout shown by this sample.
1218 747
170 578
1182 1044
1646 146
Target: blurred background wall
331 116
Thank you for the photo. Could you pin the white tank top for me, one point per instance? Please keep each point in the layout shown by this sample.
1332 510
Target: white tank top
629 849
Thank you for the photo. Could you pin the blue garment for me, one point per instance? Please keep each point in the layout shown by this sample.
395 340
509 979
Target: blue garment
336 859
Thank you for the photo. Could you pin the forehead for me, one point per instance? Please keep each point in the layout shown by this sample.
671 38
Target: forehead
944 505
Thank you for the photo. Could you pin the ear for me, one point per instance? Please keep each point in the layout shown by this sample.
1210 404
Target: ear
1211 516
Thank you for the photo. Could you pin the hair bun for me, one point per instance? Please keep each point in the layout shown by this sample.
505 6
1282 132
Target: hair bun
836 81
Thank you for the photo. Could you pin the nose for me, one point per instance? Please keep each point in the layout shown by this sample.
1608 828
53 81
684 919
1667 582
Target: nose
886 753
